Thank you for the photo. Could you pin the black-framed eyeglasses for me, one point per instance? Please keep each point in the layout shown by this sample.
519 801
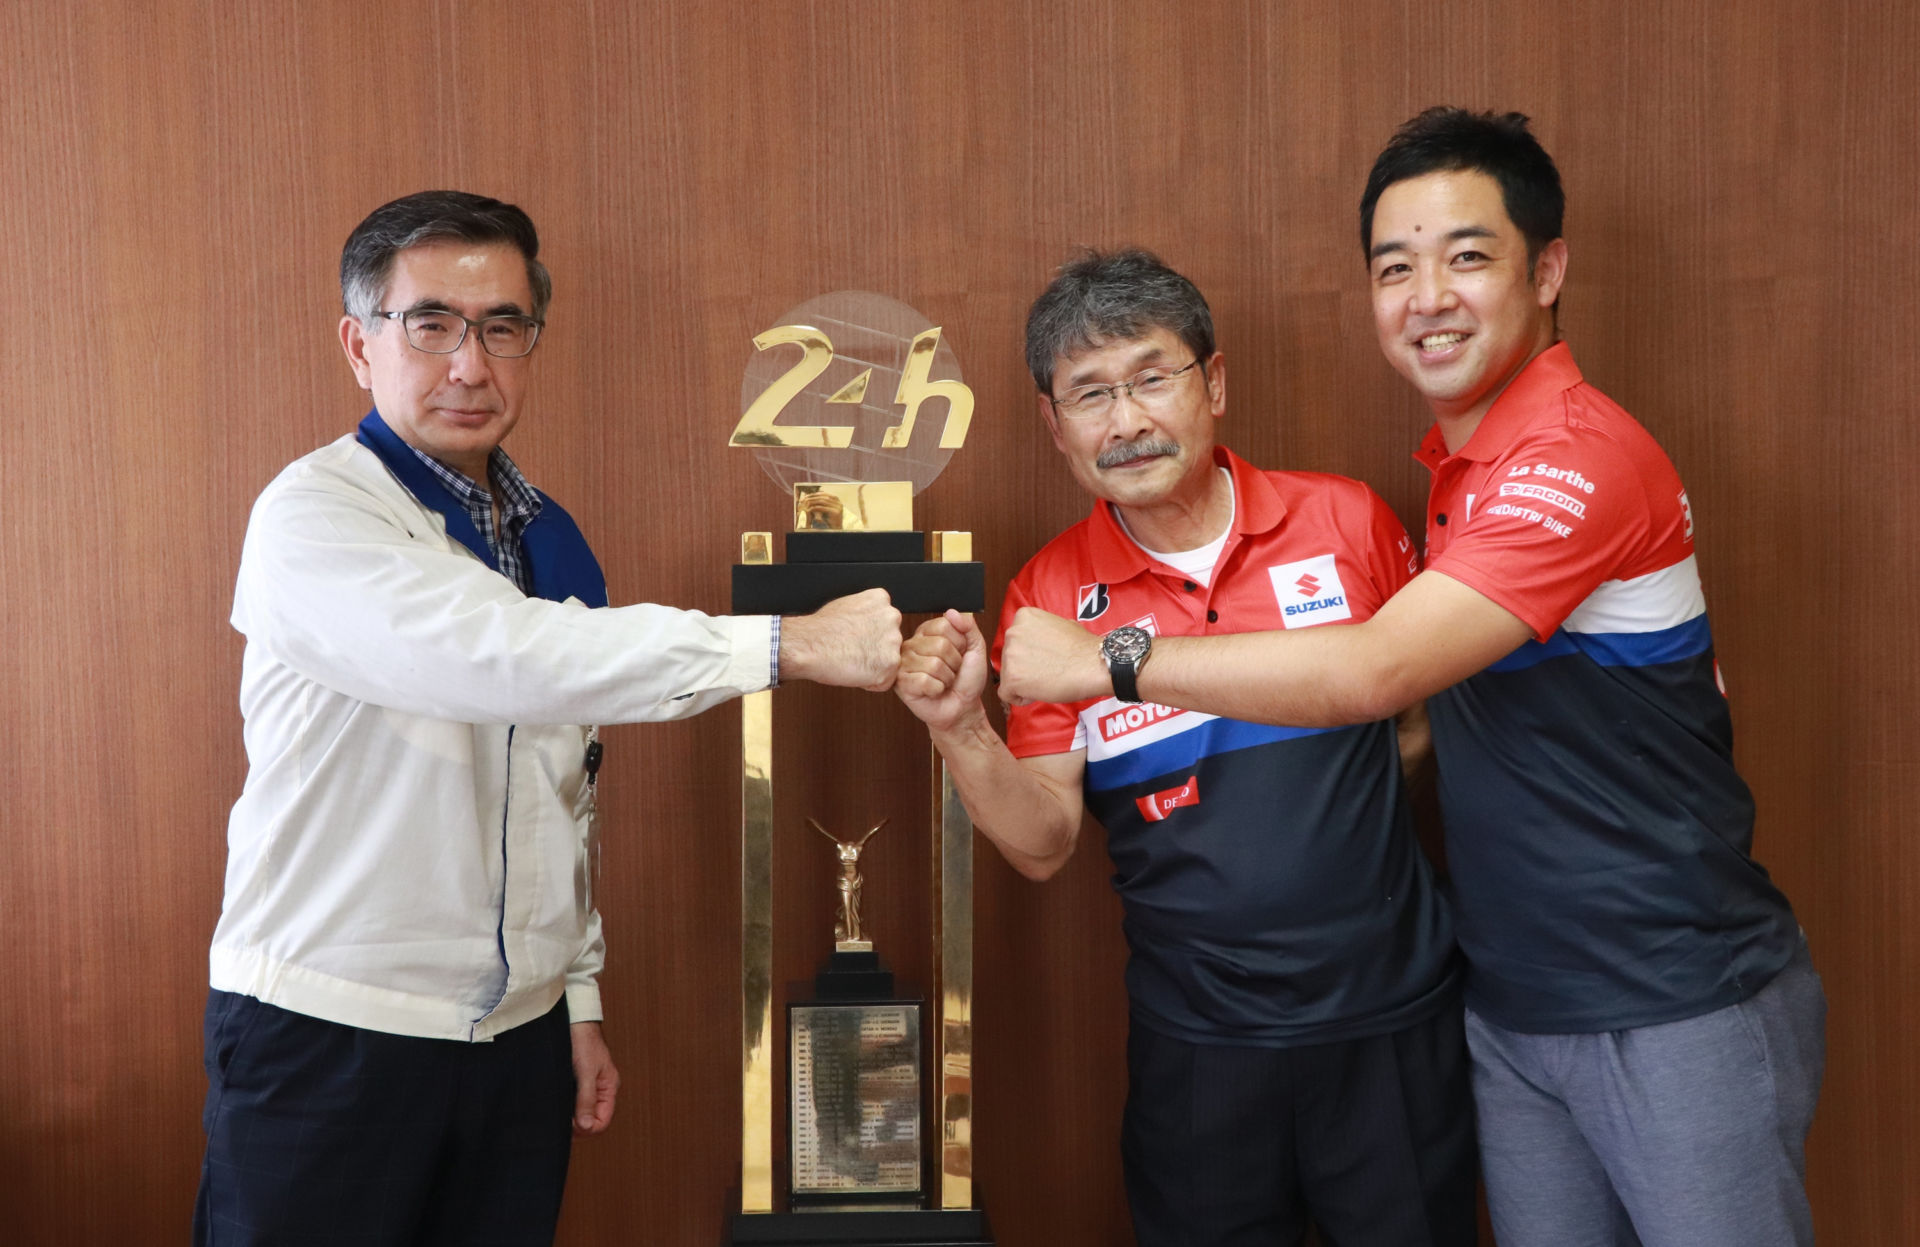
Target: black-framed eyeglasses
1150 387
439 332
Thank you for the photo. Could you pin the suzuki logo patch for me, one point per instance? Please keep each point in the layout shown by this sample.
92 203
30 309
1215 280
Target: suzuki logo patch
1157 806
1309 592
1093 602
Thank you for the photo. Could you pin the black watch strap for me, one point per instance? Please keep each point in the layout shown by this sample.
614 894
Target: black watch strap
1125 650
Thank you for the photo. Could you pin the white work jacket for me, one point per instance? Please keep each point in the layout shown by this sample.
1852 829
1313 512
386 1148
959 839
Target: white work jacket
411 851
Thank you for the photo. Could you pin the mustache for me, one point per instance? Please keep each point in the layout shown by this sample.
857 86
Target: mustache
1114 456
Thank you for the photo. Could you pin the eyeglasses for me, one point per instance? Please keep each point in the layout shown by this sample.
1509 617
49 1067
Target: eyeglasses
1152 388
441 332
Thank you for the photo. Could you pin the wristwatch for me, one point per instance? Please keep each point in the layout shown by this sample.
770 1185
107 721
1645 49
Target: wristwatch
1125 651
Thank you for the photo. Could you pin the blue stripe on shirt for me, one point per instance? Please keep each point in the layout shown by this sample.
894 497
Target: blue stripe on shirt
1616 649
1185 749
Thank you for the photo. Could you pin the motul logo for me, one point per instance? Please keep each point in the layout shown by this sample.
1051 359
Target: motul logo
1133 718
1158 805
1308 585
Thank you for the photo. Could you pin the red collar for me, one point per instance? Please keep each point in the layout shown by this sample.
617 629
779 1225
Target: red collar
1256 509
1550 373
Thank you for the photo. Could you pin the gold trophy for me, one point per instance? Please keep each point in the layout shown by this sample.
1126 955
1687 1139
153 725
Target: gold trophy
855 1069
846 930
856 1094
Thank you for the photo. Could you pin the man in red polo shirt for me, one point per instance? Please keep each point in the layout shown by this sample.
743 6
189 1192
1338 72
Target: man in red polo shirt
1646 1027
1296 1049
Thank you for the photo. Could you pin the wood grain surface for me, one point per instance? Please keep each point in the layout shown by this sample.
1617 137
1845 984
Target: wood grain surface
1743 182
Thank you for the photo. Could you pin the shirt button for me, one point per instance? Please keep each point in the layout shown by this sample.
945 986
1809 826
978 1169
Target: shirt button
1213 616
1190 586
1441 520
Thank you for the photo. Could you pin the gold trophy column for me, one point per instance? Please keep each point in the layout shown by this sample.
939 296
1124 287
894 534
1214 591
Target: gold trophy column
953 956
756 930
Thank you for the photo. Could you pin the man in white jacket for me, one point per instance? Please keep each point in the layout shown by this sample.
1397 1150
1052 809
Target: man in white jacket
404 1026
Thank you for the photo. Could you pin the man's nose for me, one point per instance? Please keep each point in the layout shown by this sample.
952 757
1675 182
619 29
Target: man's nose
1126 417
1432 290
469 361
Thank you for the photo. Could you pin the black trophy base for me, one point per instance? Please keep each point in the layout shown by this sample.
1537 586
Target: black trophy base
917 588
956 1227
853 976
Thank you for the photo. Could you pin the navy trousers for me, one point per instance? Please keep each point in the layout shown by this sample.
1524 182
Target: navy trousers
319 1133
1369 1139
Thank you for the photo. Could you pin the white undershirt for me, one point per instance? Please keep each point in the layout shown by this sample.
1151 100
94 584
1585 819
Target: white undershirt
1196 565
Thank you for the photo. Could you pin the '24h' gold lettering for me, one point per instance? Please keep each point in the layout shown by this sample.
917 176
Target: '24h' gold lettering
759 427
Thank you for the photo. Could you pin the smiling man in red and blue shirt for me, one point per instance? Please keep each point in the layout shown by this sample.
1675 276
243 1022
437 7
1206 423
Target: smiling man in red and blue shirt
1296 1049
1646 1025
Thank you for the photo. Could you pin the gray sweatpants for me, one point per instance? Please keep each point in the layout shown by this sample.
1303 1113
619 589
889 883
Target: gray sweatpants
1686 1134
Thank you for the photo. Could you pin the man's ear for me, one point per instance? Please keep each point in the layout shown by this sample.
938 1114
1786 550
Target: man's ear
1549 271
1051 419
1217 384
353 340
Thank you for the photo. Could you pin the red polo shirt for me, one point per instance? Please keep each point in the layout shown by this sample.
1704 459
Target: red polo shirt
1598 834
1557 492
1304 548
1272 888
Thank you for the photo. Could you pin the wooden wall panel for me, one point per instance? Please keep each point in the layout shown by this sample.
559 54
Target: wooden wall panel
1743 184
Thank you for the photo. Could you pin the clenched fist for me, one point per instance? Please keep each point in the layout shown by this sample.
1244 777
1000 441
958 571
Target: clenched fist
852 642
1046 658
943 671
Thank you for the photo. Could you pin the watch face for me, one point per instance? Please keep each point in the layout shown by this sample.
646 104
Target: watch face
1125 645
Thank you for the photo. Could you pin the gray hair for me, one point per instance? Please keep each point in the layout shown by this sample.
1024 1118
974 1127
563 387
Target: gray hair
1096 298
366 262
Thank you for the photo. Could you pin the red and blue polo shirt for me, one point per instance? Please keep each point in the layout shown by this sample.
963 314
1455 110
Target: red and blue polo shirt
1272 888
1598 836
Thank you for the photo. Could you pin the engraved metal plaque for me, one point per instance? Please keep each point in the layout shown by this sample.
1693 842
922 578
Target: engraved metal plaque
856 1100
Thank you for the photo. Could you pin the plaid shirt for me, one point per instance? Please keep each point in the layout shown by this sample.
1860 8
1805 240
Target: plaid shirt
518 505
